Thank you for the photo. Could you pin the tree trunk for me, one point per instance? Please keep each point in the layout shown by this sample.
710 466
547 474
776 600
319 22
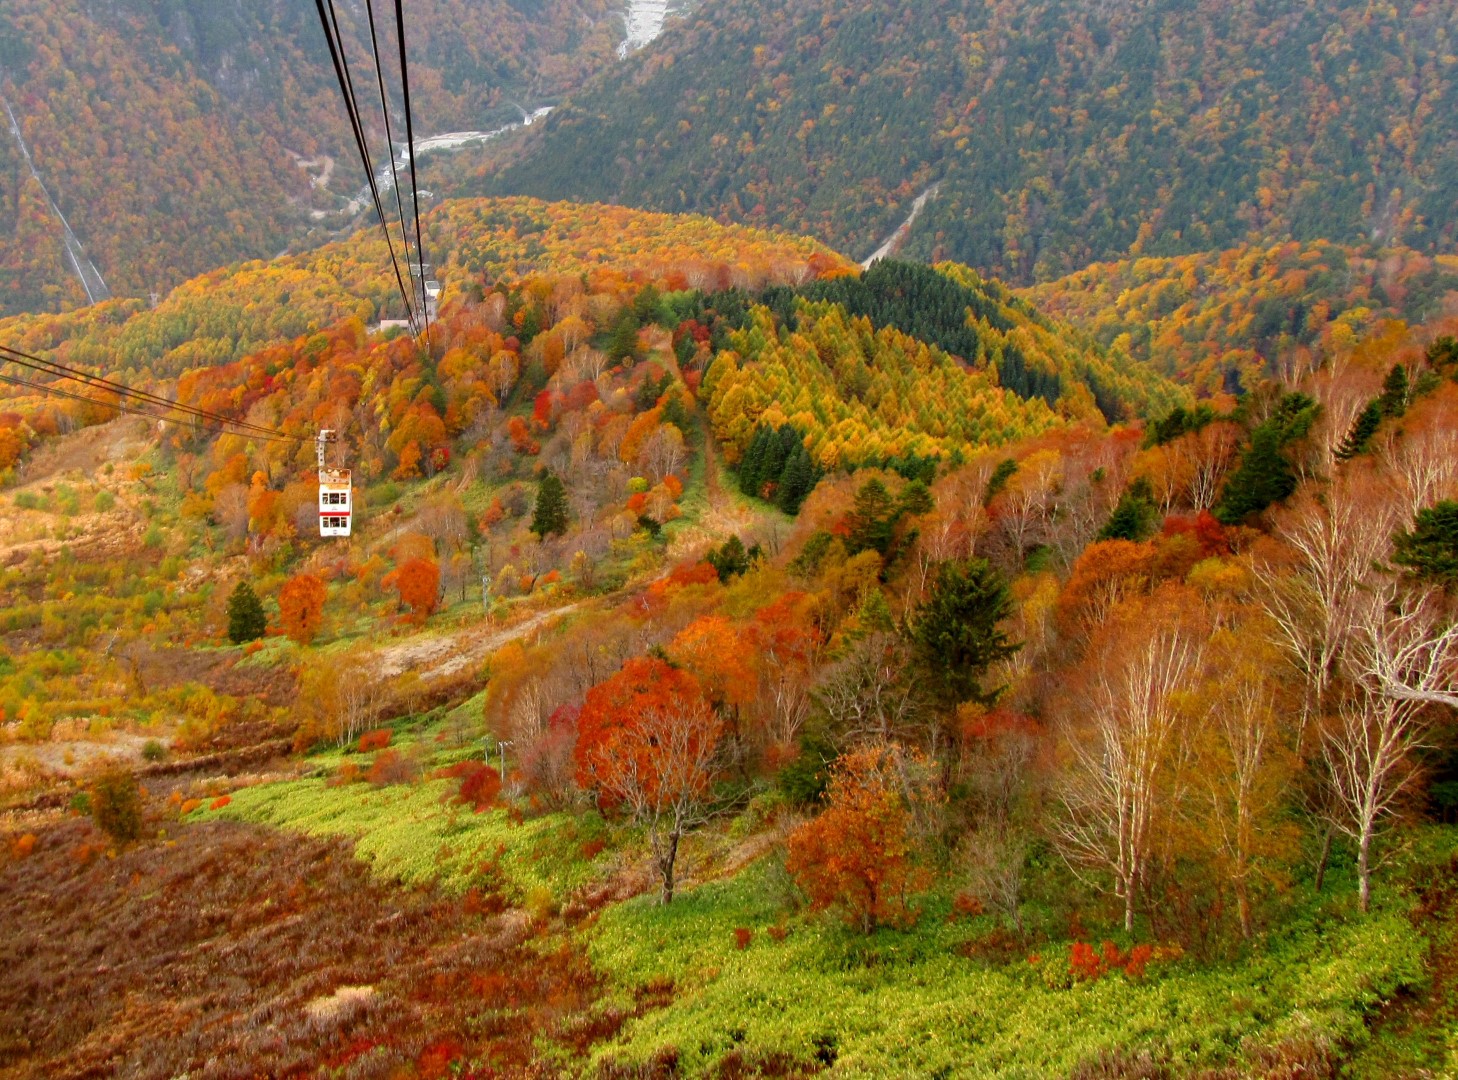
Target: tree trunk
1364 871
1325 857
1242 903
1129 906
665 865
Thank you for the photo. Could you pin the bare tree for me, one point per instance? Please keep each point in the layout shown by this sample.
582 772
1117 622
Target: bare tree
1427 461
866 695
1123 756
995 861
663 452
1405 661
1336 539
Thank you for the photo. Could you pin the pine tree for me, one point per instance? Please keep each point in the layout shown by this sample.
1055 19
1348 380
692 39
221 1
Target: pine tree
999 478
550 516
730 559
1430 550
751 468
796 482
1394 392
955 632
1442 354
872 519
1359 438
246 619
1133 519
1263 477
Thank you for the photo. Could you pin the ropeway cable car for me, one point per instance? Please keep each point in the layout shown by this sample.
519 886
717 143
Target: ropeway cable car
336 503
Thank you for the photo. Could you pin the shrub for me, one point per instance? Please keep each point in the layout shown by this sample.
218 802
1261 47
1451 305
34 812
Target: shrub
1088 964
23 846
480 784
378 739
189 805
742 937
966 905
153 750
220 802
390 767
116 805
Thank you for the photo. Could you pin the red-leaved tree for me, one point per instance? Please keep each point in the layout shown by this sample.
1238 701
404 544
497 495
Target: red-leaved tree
418 583
860 855
647 741
301 607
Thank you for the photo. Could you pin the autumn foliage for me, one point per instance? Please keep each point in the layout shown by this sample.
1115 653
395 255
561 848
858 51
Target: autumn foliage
861 855
647 742
301 607
417 581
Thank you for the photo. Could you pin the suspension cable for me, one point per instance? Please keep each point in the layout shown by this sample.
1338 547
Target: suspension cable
410 140
145 397
346 88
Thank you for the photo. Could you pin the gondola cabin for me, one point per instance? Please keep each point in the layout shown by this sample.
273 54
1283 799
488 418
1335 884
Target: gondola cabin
335 502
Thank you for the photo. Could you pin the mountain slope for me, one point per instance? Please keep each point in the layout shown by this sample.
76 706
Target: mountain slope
182 135
1062 132
226 314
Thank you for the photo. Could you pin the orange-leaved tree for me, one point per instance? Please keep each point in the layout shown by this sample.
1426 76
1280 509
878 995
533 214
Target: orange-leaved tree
301 607
418 583
861 854
648 741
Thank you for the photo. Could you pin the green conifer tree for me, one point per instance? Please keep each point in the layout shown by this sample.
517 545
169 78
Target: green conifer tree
872 519
550 516
1134 517
246 618
955 632
796 482
1430 549
1395 392
1359 438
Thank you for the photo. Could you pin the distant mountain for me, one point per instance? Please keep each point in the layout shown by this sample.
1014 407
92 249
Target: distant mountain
1062 131
181 135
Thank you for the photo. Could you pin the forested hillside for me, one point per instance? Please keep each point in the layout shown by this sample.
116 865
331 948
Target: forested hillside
224 315
181 136
1217 320
801 733
1061 132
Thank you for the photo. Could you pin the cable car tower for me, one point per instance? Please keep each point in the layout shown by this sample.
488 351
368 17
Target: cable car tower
336 503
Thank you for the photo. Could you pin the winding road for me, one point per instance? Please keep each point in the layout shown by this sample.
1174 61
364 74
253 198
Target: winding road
896 239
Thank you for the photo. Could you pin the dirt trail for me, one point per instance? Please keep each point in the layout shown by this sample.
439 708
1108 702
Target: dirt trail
440 655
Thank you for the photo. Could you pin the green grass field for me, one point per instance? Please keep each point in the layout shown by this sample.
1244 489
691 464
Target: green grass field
897 1003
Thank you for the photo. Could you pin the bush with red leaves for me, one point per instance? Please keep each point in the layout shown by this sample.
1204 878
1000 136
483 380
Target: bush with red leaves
480 784
390 767
742 937
1088 964
371 741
